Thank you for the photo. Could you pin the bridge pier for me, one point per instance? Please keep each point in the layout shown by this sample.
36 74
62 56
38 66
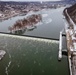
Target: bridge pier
61 50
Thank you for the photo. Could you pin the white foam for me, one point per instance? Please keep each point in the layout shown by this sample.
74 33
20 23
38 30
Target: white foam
18 65
10 56
39 64
34 62
44 15
29 38
40 23
6 69
48 21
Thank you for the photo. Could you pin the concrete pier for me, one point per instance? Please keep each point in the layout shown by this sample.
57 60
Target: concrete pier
60 47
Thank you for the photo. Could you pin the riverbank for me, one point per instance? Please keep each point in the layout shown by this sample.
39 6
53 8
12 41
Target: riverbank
12 15
9 16
70 29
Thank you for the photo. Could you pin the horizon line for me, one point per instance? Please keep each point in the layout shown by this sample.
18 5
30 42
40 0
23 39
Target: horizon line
29 1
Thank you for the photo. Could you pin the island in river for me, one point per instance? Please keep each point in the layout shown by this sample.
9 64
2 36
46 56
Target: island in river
28 23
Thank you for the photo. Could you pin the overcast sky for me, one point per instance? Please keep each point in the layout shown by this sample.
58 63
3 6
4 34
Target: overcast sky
30 0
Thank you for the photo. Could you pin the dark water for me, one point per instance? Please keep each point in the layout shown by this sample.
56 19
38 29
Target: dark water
31 56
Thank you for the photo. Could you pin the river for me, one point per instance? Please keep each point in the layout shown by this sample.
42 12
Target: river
34 56
52 23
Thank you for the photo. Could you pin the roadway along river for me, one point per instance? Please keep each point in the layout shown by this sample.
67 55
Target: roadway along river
33 56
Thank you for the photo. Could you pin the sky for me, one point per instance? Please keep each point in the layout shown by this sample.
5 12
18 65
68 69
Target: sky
30 0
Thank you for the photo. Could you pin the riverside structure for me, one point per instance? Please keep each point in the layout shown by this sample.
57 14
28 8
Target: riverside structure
70 31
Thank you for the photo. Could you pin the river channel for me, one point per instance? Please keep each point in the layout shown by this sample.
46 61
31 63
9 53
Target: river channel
33 56
52 23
